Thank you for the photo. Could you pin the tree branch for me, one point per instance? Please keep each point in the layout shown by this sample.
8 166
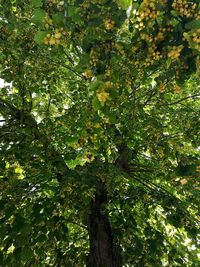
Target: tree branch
181 100
56 159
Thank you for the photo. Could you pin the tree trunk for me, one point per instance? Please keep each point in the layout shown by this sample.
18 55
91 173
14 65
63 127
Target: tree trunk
103 251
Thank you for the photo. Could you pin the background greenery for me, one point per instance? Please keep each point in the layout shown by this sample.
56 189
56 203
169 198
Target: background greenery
99 90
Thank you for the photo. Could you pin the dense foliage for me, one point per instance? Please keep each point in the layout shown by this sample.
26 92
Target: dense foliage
99 91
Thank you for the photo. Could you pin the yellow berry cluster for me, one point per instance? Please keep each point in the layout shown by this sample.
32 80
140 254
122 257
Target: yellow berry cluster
146 37
102 97
90 136
87 156
83 141
184 8
136 63
84 5
153 55
93 138
58 3
196 36
48 22
175 51
108 85
109 24
159 36
55 38
147 13
107 72
94 57
88 74
107 46
196 39
128 80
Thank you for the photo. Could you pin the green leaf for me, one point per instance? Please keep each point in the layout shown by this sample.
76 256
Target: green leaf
57 19
168 62
71 139
190 41
1 55
38 17
39 37
112 118
174 13
95 85
194 24
174 21
41 238
96 103
160 19
187 170
73 163
124 4
135 6
26 254
152 245
187 36
74 13
2 231
37 3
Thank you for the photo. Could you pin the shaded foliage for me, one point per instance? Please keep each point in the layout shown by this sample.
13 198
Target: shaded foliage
99 126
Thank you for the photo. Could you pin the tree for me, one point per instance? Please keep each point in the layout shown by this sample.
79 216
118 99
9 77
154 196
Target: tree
99 133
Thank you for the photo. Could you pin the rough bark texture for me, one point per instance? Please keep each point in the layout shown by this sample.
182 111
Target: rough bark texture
103 251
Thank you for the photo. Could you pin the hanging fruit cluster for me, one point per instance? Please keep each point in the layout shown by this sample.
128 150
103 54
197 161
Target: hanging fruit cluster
56 37
196 39
153 55
146 14
88 74
94 57
56 3
109 24
160 35
175 52
185 8
102 97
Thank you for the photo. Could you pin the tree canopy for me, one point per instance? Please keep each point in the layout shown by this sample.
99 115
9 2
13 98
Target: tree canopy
99 133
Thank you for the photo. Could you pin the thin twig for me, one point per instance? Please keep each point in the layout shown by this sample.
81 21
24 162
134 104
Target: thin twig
183 99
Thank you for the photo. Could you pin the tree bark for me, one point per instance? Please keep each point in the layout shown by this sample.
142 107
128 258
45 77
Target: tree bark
103 251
